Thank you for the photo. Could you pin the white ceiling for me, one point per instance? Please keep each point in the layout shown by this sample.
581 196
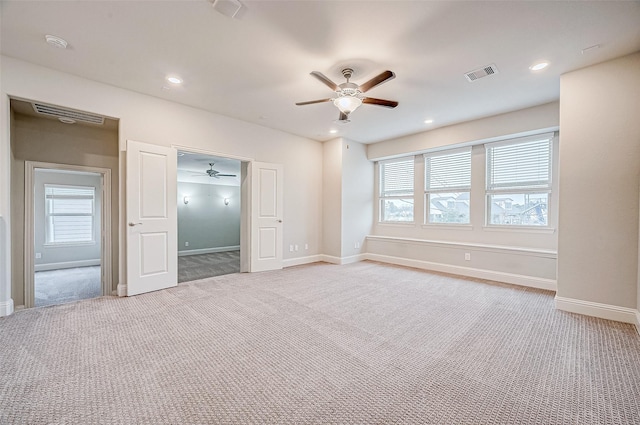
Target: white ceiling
192 168
256 68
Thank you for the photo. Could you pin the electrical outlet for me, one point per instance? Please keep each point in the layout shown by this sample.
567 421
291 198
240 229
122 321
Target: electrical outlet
306 246
467 256
38 255
186 244
296 247
290 248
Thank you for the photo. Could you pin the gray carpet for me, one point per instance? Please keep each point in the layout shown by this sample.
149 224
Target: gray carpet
195 267
66 285
319 344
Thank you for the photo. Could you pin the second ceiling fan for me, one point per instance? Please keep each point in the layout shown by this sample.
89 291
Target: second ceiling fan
350 95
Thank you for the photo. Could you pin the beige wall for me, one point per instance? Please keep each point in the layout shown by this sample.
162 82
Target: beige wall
521 256
38 139
599 183
357 197
517 123
165 123
332 197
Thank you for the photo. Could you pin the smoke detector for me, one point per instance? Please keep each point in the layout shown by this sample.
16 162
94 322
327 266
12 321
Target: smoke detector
58 42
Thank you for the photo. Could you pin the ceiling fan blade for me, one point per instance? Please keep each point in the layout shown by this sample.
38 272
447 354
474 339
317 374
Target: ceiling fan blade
313 101
320 76
380 102
377 80
225 175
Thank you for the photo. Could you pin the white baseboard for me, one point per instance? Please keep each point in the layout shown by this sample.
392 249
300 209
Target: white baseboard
301 260
638 320
66 265
343 260
121 290
604 311
515 279
208 250
6 307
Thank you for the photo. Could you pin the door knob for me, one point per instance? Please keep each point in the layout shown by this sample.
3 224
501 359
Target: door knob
279 221
134 224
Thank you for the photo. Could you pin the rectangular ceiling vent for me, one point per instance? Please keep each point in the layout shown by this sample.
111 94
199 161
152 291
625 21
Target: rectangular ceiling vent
481 73
58 112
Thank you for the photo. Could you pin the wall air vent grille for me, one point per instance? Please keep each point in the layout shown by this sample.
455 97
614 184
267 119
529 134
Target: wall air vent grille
481 73
58 112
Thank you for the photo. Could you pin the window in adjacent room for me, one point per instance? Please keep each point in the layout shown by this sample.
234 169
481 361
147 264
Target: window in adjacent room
396 190
519 181
69 214
448 186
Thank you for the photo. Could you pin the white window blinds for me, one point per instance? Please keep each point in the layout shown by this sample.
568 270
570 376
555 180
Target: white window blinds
448 171
520 164
396 177
69 213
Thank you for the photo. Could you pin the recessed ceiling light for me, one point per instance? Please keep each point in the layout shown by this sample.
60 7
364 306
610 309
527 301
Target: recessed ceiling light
333 131
174 80
56 41
429 121
539 66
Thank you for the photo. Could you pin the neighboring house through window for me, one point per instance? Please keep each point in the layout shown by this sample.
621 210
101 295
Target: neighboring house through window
447 186
519 181
396 190
69 214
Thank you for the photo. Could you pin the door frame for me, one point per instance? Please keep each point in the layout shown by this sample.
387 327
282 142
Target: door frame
245 200
29 225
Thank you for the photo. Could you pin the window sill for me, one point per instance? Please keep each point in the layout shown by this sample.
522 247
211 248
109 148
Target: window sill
68 244
519 229
447 226
397 223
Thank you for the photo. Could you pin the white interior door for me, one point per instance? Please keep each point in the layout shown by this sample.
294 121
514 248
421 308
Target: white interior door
152 229
266 216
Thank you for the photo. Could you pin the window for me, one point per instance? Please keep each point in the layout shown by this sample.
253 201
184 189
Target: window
519 181
69 214
396 190
448 186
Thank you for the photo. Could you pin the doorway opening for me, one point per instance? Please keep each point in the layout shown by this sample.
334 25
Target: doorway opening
209 215
67 249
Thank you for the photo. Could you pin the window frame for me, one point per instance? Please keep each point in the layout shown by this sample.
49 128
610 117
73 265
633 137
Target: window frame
428 191
382 196
547 188
48 215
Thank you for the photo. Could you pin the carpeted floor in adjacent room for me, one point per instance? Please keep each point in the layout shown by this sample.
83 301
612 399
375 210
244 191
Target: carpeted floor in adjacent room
363 343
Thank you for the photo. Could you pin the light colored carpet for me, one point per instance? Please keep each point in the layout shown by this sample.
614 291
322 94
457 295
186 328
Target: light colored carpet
66 285
362 343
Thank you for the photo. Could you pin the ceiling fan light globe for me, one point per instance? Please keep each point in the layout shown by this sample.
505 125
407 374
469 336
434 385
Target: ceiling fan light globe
347 104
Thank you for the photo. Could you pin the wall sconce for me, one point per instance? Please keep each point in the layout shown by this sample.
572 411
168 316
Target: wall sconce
186 199
226 201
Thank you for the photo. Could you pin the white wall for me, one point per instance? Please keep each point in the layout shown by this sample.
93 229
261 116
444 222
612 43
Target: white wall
152 120
348 199
357 197
521 256
599 185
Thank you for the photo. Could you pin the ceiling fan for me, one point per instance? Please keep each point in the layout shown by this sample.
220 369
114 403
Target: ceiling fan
350 95
215 173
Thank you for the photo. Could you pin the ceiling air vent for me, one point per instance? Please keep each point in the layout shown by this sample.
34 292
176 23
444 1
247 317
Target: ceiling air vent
482 72
58 112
